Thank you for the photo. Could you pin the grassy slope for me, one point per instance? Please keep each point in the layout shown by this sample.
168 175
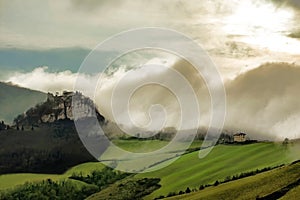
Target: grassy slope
187 171
142 146
11 180
292 194
224 160
251 187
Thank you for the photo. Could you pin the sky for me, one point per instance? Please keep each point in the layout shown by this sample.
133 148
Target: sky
43 43
239 35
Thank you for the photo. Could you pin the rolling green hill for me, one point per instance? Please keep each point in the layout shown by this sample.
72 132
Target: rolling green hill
189 170
15 100
223 161
8 181
267 185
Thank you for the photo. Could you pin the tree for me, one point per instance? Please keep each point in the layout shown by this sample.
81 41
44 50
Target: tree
188 190
216 183
19 119
285 141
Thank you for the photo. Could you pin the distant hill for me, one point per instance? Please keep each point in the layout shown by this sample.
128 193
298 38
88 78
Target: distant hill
15 100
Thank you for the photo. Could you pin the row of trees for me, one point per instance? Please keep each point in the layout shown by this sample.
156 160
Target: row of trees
100 178
133 189
48 190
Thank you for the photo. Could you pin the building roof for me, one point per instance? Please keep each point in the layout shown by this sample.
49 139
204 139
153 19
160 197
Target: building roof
238 134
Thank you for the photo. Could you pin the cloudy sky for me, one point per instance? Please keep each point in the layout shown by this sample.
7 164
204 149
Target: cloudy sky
49 24
239 35
43 43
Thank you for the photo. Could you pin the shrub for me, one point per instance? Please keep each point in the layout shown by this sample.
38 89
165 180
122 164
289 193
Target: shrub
187 190
216 183
171 194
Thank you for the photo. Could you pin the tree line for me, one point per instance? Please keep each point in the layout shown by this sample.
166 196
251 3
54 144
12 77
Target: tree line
93 183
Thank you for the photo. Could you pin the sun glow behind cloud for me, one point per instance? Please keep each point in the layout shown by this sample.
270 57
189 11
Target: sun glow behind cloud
249 16
262 24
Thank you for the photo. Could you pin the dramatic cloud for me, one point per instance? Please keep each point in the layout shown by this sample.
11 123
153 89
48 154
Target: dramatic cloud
292 3
239 36
44 24
266 100
40 79
263 101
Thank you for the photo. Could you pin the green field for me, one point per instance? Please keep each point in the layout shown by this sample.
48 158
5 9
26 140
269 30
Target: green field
142 146
8 181
251 187
292 194
142 160
188 170
223 161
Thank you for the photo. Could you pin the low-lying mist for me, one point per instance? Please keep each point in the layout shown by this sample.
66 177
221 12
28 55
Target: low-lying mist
264 102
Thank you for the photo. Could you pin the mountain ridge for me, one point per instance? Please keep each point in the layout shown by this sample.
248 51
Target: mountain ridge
15 100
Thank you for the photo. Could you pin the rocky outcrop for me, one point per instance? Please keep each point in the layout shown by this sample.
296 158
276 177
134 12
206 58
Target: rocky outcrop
68 106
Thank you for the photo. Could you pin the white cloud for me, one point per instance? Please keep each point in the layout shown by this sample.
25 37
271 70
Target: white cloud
44 24
261 101
236 38
40 79
230 31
